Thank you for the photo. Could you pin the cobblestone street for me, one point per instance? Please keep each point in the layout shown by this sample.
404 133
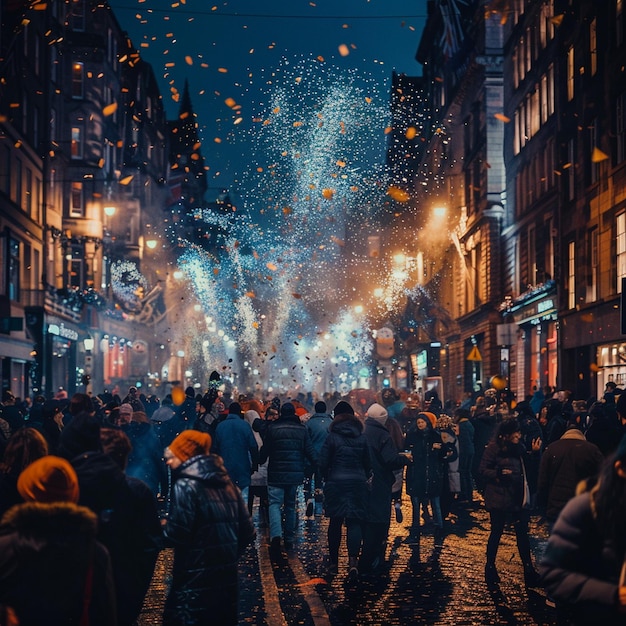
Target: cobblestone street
425 583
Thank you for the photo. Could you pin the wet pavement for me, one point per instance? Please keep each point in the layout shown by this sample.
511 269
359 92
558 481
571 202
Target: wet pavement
426 581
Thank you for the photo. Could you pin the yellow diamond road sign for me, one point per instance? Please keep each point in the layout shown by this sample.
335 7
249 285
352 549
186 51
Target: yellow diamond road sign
474 355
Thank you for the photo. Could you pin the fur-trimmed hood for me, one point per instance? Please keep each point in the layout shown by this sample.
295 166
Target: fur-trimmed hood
57 518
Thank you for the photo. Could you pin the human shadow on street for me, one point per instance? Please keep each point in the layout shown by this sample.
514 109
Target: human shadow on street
504 611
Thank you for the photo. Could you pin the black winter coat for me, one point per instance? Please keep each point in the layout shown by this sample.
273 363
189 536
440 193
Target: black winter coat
385 459
128 525
345 464
580 569
287 444
425 474
209 527
563 465
503 491
45 553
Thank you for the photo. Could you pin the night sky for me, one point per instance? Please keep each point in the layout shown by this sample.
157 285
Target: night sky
236 54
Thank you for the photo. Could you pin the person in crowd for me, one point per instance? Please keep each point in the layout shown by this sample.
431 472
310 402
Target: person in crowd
167 423
432 402
145 461
205 419
409 413
23 447
395 430
10 411
52 568
583 565
209 527
556 421
317 426
507 497
235 443
79 403
564 464
465 436
344 462
385 458
258 480
424 480
531 431
287 445
127 523
451 477
51 424
187 410
484 422
132 398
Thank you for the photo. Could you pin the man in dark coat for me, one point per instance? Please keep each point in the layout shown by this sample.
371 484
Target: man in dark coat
385 458
317 425
563 465
10 412
287 444
128 523
209 527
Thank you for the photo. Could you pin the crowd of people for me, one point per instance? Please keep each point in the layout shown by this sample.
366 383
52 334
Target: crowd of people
93 487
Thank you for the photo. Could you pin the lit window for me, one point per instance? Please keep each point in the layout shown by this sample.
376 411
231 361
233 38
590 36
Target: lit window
76 200
620 240
77 142
78 80
571 274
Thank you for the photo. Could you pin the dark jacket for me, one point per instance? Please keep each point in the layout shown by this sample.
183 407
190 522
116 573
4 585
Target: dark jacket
287 444
209 527
580 569
167 425
46 551
234 441
504 491
128 526
466 437
317 426
563 465
344 462
425 474
385 459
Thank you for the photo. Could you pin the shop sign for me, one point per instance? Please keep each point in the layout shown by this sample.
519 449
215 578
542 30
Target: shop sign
60 330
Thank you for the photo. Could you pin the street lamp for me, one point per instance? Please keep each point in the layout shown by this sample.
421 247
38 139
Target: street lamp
88 343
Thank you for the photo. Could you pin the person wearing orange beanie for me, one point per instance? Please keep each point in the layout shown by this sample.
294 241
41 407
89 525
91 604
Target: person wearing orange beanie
209 527
49 552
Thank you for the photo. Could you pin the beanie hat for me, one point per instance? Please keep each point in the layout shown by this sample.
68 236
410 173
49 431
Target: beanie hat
377 412
320 407
287 410
126 408
48 479
190 393
82 434
508 427
428 417
190 443
343 408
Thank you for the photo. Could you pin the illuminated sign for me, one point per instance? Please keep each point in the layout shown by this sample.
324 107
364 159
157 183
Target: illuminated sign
61 331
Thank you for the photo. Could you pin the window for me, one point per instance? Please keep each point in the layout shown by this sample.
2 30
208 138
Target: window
570 73
592 133
76 200
77 142
550 95
28 205
571 170
78 15
549 252
14 269
620 128
592 253
620 240
571 275
76 266
78 80
593 47
18 183
532 256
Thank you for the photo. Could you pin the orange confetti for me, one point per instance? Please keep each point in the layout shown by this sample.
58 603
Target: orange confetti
250 294
328 193
341 163
217 140
297 296
597 156
399 195
339 242
216 271
126 180
502 117
109 109
344 51
368 100
411 131
320 59
287 210
271 267
557 19
222 70
188 60
230 102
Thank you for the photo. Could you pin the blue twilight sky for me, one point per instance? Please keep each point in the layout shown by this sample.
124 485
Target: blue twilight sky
235 55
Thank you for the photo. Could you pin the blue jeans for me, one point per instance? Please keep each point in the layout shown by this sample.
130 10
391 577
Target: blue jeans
435 503
282 497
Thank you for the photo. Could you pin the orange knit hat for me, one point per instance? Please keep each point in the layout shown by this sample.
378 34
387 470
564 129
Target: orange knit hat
190 443
432 418
49 479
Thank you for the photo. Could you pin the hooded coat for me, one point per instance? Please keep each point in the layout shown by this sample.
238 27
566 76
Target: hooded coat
46 552
345 464
424 477
209 527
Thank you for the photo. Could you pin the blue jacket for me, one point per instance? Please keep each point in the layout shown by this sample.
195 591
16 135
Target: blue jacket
318 425
235 443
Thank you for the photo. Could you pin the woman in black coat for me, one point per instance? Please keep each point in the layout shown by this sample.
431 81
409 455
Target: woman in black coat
584 564
344 463
507 496
209 527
